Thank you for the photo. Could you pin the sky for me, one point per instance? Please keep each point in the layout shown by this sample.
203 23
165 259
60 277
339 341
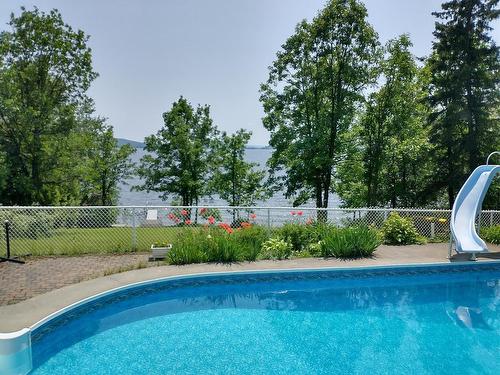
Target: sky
216 52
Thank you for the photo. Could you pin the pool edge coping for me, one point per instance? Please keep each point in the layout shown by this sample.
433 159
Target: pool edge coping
36 322
125 287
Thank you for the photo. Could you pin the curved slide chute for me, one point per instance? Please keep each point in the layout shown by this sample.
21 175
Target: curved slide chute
467 207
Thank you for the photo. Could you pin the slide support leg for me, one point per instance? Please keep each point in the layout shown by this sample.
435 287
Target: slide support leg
450 247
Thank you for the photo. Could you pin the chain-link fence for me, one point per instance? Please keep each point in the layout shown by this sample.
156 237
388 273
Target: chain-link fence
84 230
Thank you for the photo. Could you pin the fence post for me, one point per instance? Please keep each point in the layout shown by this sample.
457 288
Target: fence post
134 230
433 229
268 218
491 219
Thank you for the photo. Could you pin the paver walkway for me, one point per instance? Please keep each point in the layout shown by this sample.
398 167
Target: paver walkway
40 275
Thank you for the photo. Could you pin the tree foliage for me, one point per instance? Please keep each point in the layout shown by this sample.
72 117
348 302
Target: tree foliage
464 91
106 164
45 70
311 97
388 163
235 180
178 159
53 150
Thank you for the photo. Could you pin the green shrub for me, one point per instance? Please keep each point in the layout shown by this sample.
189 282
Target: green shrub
366 218
352 242
298 235
88 217
491 234
29 223
276 248
314 249
398 230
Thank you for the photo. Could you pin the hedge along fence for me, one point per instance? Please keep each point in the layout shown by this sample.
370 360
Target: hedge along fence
121 229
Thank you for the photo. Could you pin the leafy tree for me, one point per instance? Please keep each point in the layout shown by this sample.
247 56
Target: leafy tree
464 91
45 70
3 171
492 198
107 164
178 159
389 165
234 179
310 99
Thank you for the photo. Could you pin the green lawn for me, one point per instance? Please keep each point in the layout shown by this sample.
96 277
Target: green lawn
92 241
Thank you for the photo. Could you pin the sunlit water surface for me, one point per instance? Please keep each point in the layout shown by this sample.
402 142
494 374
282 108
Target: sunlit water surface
426 320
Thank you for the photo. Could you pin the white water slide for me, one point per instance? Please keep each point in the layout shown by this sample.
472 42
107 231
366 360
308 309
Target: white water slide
467 207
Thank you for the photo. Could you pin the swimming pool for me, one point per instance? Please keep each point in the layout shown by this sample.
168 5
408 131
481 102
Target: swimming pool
405 320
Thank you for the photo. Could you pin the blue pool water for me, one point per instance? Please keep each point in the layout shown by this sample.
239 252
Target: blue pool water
408 320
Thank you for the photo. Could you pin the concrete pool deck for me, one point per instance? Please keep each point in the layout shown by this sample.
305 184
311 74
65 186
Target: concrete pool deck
26 313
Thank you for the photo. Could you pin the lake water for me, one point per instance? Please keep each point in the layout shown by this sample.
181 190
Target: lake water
142 198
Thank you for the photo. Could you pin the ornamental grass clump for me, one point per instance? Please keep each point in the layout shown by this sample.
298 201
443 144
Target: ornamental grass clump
190 247
220 244
223 248
250 240
351 242
398 230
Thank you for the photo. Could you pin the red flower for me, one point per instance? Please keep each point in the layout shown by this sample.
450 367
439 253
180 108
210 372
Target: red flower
203 210
171 216
253 216
299 213
188 222
184 213
293 213
309 221
245 225
211 220
226 227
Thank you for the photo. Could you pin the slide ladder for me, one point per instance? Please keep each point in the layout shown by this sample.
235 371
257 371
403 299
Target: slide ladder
467 208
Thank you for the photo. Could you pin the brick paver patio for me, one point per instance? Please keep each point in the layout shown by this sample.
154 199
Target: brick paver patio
40 275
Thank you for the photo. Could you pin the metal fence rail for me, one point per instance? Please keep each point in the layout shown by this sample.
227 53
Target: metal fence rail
78 230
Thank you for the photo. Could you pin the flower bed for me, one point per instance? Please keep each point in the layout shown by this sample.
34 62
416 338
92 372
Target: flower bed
222 242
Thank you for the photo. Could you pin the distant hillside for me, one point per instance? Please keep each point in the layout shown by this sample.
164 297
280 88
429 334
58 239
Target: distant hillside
258 147
136 144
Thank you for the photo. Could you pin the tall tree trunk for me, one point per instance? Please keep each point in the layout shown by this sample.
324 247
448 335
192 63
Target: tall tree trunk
36 167
451 194
472 139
